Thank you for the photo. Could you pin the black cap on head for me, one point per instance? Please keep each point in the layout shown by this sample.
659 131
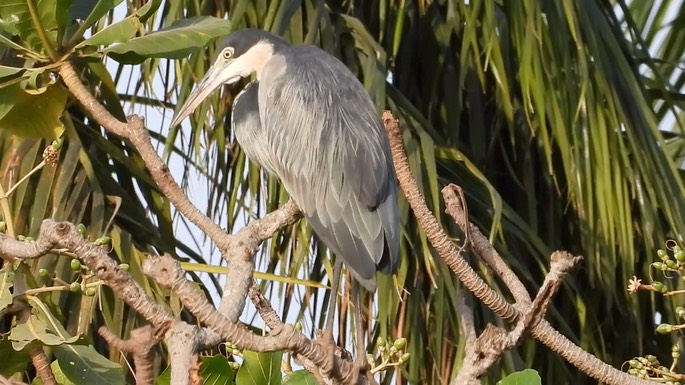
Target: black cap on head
242 40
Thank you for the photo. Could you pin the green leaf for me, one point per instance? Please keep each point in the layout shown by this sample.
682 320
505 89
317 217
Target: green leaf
175 42
217 370
6 282
17 20
260 369
115 33
147 10
9 71
34 329
36 116
60 377
524 377
12 361
98 11
300 377
84 365
123 30
9 43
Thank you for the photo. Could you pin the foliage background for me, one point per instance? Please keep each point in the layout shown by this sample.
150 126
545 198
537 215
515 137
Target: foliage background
561 120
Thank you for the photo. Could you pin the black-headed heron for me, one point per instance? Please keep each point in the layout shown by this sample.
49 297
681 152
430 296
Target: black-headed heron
308 120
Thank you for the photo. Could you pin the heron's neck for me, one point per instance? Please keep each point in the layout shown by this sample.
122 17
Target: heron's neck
258 55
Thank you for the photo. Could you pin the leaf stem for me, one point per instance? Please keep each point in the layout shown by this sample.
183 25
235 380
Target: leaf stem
38 24
6 212
20 181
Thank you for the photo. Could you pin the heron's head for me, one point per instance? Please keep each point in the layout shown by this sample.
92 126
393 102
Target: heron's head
242 54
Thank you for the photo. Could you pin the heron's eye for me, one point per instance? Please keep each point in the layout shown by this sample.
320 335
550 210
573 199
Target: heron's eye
228 53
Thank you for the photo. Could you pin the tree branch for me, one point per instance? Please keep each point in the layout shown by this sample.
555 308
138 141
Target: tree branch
167 272
140 345
542 330
455 206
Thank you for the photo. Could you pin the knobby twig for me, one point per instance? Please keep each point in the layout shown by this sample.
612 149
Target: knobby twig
482 352
63 235
274 322
468 374
455 206
240 251
541 329
140 344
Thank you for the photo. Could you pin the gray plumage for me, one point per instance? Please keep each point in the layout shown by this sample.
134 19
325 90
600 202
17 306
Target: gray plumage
308 120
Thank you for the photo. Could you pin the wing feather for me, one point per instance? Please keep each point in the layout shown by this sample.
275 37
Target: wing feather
332 155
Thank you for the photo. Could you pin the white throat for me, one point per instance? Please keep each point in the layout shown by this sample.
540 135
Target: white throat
256 57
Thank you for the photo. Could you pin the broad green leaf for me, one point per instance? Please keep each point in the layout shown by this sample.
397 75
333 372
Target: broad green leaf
60 377
174 42
216 370
524 377
123 30
36 116
9 71
260 369
8 97
300 377
34 329
50 316
6 283
12 361
84 365
9 43
115 33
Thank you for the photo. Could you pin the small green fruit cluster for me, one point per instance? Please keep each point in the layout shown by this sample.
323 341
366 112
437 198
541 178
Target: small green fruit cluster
232 349
649 368
391 354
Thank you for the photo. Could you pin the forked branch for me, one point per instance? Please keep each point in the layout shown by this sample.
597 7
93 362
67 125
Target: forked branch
449 252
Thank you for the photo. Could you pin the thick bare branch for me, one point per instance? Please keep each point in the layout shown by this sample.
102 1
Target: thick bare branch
13 250
64 235
134 130
140 344
167 272
274 322
240 252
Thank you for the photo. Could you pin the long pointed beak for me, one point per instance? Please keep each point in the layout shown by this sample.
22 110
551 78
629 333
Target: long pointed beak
214 78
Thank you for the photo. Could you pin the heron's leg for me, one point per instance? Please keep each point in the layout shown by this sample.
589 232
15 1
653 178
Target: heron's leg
335 283
360 358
